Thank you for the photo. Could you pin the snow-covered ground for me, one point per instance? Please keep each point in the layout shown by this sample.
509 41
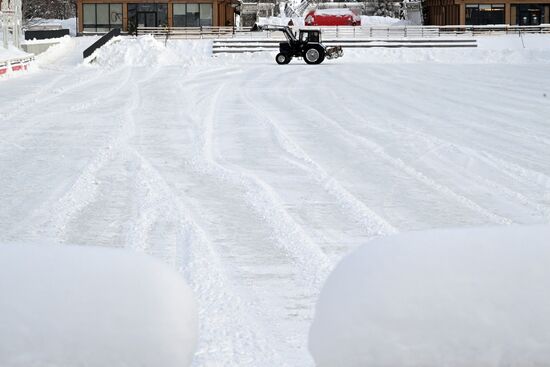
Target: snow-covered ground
254 179
11 53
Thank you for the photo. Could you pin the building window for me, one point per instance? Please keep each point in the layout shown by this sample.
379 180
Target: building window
192 15
206 15
101 17
482 14
147 15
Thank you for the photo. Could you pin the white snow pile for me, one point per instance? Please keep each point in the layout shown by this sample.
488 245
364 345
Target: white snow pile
11 53
334 11
474 297
62 46
375 20
147 51
282 20
503 49
71 306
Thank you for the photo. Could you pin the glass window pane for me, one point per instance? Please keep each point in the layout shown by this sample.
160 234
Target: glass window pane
179 15
116 14
103 14
162 15
193 15
206 15
179 9
88 14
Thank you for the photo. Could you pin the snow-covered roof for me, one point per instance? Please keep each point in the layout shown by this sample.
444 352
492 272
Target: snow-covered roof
336 11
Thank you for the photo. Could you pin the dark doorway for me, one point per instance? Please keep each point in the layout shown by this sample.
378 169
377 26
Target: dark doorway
530 14
147 15
146 19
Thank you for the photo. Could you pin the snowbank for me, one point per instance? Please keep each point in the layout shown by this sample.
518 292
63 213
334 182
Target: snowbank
83 306
147 51
334 11
441 298
502 49
296 21
374 20
11 52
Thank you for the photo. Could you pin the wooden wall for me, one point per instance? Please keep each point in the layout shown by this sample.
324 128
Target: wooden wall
442 12
222 11
453 12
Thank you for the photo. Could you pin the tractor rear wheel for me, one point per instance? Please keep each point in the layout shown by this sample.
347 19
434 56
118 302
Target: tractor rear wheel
282 58
314 55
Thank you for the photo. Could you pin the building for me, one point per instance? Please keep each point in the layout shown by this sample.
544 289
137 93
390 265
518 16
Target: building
102 15
472 12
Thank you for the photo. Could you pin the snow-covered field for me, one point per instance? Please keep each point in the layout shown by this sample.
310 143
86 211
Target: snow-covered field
254 179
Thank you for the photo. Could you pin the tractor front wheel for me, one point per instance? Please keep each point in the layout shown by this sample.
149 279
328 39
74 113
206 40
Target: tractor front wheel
314 55
282 58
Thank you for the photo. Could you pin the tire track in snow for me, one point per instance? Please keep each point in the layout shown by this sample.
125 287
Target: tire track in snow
247 352
222 311
403 166
83 190
83 106
303 261
469 152
265 201
50 93
366 217
490 109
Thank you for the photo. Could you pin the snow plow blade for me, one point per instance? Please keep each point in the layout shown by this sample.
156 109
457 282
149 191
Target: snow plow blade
334 52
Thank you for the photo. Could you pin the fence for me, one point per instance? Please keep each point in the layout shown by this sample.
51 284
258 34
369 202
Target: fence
346 32
15 64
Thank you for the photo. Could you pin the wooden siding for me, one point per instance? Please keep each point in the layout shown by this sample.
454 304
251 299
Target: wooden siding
222 11
453 12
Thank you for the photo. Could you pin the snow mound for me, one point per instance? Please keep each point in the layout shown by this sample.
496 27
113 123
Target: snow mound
82 306
148 51
11 53
296 21
439 298
532 49
374 20
334 11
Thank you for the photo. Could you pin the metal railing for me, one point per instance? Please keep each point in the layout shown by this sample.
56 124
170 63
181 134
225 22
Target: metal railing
192 32
100 42
345 32
15 64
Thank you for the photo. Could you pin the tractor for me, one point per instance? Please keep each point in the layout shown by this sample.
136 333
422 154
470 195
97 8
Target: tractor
307 45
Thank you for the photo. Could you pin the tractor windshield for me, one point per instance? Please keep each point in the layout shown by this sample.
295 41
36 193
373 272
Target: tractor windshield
310 36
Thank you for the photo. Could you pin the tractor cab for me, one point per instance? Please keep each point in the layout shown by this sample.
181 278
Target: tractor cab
310 36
